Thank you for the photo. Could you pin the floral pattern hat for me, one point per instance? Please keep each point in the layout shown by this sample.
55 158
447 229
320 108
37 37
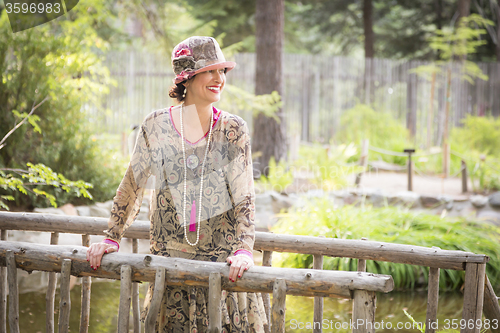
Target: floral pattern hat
197 54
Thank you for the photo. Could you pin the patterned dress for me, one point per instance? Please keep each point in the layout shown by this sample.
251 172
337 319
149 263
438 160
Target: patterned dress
227 214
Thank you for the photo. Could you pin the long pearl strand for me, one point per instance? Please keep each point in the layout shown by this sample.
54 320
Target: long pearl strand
201 182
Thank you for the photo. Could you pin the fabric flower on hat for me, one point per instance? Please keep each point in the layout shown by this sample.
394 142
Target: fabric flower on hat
184 75
184 51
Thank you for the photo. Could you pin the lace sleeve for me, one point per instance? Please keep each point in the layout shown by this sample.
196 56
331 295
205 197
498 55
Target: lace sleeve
240 178
128 199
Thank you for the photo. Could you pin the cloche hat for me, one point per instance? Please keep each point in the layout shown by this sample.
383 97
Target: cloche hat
195 55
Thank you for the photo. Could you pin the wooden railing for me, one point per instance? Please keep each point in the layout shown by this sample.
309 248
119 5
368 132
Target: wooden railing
478 293
129 268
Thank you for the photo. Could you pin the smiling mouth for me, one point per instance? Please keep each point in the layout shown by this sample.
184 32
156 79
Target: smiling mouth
214 89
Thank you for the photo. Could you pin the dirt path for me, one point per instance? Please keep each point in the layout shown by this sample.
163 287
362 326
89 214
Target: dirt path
395 182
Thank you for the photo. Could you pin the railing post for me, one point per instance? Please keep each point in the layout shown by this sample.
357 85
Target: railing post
214 303
3 290
154 307
267 258
65 302
13 292
363 305
473 296
278 309
135 294
86 283
491 308
318 301
363 311
432 301
362 262
51 292
125 296
464 176
410 168
363 160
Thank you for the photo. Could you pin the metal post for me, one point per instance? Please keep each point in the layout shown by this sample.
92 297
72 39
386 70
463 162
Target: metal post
410 171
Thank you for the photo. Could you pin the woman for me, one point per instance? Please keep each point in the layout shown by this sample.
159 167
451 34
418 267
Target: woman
203 203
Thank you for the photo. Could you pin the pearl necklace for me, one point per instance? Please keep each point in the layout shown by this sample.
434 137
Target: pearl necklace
201 182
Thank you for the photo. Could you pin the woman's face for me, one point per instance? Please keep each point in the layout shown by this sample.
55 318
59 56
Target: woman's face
206 87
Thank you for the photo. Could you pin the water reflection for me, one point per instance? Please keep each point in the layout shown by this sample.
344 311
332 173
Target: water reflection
299 310
104 303
338 312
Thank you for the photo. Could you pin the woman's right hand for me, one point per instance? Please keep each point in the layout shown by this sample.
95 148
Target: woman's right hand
96 251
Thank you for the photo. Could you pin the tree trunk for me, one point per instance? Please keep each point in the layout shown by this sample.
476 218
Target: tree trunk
369 51
463 9
498 31
368 28
269 136
439 14
439 20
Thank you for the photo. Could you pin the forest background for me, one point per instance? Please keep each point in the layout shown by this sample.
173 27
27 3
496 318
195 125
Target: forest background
62 63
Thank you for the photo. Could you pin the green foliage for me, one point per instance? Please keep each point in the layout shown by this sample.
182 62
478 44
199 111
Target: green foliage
415 323
165 23
392 225
242 100
279 177
329 166
232 17
478 142
383 131
458 43
35 179
481 134
62 60
486 174
461 41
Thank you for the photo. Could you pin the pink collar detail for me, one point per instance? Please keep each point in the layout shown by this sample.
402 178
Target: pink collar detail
217 115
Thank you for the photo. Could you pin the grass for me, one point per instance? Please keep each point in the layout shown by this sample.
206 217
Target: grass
319 217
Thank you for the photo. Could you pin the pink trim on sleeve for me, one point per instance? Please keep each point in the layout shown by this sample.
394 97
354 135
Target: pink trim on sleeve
245 252
111 242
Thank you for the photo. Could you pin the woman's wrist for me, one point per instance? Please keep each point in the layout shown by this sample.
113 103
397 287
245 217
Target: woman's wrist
243 252
112 242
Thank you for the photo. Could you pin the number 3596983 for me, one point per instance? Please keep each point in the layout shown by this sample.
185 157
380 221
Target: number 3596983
471 324
23 7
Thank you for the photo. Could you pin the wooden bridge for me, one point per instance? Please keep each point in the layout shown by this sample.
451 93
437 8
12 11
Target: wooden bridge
360 286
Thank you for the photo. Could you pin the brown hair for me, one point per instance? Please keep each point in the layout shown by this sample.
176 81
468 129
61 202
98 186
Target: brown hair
177 91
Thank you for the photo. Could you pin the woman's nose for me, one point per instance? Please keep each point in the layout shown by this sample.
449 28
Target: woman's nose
218 76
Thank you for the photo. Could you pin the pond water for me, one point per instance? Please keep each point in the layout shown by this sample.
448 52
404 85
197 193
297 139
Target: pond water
337 312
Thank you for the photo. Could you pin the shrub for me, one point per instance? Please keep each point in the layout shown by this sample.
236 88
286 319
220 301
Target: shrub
62 60
478 141
319 217
383 131
329 166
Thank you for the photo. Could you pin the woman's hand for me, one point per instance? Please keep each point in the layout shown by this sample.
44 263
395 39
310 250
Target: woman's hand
239 264
96 251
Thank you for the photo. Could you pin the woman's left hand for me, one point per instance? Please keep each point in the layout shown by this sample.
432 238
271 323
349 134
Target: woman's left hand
239 264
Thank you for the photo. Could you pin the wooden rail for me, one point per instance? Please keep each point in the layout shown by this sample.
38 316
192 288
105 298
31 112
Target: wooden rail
304 282
477 295
265 241
215 276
